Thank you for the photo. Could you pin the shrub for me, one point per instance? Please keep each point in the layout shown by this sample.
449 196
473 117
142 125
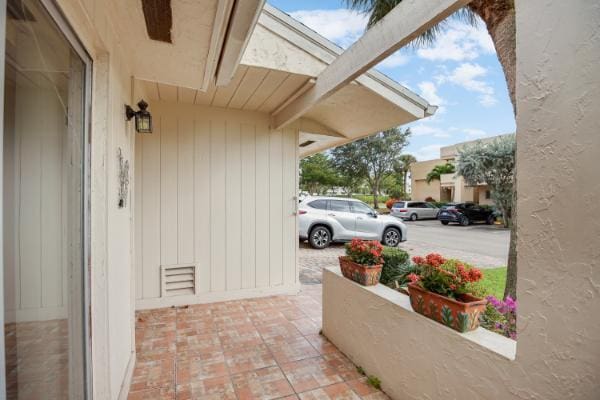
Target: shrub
365 252
430 199
390 203
395 265
501 316
450 278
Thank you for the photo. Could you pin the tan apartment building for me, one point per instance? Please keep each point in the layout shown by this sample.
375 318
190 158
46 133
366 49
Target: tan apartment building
449 187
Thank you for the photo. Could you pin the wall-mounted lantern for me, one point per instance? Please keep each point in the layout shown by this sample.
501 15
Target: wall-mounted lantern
143 119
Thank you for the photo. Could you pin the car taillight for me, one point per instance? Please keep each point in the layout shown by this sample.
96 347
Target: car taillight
403 210
302 212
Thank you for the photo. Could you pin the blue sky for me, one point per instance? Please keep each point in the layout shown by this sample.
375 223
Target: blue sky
460 73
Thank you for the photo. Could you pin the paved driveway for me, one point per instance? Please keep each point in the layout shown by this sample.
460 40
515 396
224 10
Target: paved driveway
481 245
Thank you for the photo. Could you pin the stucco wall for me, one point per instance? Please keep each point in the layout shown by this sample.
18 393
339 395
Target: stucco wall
558 353
558 145
420 190
111 269
215 188
414 357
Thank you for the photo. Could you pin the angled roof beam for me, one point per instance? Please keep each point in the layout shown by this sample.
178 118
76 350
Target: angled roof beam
243 20
406 21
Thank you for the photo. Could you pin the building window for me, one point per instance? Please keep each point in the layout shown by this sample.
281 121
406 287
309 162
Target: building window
488 195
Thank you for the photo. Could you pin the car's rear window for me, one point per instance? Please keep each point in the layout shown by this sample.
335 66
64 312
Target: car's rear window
399 204
318 204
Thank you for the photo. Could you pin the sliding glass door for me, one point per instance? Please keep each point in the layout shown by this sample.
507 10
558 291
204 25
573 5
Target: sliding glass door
46 98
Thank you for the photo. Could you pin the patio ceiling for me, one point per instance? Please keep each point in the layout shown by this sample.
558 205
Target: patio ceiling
201 43
252 89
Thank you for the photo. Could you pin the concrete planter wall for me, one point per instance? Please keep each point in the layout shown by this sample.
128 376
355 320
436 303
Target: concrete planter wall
378 330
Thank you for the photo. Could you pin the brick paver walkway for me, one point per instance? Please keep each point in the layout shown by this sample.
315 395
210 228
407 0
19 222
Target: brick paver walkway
261 348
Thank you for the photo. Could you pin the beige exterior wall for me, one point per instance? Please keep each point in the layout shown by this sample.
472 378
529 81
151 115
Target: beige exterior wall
419 188
215 188
557 354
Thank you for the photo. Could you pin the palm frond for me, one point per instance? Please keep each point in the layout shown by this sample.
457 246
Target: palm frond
377 9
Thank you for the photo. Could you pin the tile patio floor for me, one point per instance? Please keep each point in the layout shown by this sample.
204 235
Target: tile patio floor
261 348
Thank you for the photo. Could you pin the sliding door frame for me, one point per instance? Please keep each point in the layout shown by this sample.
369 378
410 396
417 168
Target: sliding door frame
61 22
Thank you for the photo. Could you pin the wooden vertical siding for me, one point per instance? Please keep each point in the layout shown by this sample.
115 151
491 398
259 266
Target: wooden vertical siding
34 164
217 190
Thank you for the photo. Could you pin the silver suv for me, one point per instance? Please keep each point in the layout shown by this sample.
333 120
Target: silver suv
414 210
323 220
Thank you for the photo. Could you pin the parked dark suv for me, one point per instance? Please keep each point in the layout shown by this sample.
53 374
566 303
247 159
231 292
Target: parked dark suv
465 214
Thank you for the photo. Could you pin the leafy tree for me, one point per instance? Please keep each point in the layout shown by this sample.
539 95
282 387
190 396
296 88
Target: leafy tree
494 163
346 161
437 171
402 167
372 158
317 173
499 19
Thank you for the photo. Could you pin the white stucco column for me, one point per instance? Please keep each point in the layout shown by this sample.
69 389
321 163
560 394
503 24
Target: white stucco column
558 147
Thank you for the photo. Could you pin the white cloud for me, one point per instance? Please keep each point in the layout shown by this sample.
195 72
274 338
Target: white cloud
475 133
395 60
341 26
459 42
429 152
344 27
429 92
427 130
470 77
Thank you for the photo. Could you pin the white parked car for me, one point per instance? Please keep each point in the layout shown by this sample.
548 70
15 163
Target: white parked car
323 220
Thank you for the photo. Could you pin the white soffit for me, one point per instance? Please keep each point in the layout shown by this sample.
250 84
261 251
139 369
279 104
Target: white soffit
208 38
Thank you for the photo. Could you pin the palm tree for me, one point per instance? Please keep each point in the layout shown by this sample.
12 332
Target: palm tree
498 16
499 19
437 171
402 167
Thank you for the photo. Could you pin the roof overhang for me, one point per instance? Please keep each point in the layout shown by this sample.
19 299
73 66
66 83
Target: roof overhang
202 42
365 105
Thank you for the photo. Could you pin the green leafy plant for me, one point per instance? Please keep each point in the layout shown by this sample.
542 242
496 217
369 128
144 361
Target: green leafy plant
374 381
437 172
365 252
396 266
360 370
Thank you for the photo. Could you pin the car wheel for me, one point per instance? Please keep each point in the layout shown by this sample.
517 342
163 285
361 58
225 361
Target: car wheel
490 220
319 237
445 222
464 221
391 237
413 217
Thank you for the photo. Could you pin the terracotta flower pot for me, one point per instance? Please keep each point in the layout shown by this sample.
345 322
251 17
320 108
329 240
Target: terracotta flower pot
462 315
366 275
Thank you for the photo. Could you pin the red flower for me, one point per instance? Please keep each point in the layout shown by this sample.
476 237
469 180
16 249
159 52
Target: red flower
412 277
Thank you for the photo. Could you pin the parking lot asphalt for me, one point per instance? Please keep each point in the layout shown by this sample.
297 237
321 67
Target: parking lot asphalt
485 246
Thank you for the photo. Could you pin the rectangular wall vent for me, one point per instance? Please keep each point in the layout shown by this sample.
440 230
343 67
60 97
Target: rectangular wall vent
177 280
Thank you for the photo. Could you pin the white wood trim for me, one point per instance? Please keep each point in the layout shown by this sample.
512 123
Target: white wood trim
216 41
124 392
241 25
390 34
